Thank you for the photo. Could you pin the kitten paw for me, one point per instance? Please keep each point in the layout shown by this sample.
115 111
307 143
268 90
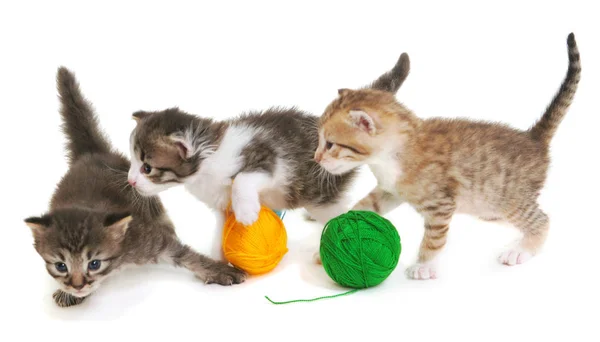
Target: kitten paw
421 272
246 211
514 256
65 300
225 275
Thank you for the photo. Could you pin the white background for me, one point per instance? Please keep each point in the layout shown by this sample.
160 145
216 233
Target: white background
491 62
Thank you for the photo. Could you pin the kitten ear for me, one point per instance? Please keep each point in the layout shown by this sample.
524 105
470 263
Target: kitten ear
363 121
140 115
344 91
183 144
117 223
38 225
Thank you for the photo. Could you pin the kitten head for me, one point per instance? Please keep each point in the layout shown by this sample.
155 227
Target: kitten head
166 148
358 126
80 247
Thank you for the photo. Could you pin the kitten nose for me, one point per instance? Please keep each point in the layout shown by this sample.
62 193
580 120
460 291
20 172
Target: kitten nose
78 287
131 182
318 157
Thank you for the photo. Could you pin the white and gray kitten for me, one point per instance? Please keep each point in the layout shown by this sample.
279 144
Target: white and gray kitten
259 158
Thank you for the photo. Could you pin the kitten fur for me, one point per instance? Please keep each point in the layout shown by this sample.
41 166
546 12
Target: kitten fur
96 222
257 158
446 166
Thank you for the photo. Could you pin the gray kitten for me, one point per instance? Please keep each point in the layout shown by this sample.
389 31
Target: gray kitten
259 158
96 223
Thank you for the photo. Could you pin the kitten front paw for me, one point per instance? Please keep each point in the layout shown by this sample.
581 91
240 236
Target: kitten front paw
223 274
246 211
65 300
421 272
514 256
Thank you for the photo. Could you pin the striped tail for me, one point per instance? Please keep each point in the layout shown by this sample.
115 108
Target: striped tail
79 121
546 126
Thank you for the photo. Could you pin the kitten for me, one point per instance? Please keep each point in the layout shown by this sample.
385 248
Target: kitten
96 223
257 158
446 166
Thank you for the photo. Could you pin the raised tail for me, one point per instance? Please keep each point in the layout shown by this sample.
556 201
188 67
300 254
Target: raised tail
79 121
393 79
544 129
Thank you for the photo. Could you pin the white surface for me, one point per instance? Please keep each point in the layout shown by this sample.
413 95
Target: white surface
501 62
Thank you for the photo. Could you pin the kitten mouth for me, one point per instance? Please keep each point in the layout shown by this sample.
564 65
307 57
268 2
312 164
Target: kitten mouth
79 293
142 192
334 170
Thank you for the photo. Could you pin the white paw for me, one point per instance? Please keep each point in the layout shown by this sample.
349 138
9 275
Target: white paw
246 211
514 256
421 272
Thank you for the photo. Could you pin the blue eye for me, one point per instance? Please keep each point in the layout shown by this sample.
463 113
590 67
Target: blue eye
61 267
94 265
146 168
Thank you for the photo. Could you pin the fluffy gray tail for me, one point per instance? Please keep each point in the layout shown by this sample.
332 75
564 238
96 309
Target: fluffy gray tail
393 79
79 121
546 126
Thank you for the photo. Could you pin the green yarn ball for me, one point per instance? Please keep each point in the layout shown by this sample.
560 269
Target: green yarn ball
359 249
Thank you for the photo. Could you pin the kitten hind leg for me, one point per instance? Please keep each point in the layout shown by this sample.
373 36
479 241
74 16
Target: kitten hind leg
65 300
437 223
534 224
206 269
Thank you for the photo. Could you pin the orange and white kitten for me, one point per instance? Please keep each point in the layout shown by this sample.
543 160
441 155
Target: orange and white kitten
446 166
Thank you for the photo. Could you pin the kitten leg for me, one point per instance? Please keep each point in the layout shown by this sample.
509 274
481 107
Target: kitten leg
534 224
206 269
65 300
244 195
437 223
379 201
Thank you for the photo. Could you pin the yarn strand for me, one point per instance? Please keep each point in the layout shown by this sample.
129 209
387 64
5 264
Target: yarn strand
314 299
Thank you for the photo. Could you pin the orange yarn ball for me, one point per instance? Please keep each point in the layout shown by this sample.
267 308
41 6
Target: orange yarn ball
257 248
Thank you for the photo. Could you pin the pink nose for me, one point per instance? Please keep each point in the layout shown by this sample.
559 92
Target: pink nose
131 182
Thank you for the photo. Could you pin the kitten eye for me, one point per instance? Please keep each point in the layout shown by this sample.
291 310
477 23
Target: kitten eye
146 168
61 267
94 265
328 145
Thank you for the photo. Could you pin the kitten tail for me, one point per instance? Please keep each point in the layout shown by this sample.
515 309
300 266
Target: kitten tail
393 79
79 121
545 128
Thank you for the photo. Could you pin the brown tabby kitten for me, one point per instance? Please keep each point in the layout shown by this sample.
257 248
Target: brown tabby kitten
446 166
97 223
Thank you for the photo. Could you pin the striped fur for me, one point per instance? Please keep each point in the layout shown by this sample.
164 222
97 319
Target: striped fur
545 128
446 166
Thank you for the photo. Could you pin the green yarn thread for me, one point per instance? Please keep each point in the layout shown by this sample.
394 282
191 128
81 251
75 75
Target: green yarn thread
359 249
